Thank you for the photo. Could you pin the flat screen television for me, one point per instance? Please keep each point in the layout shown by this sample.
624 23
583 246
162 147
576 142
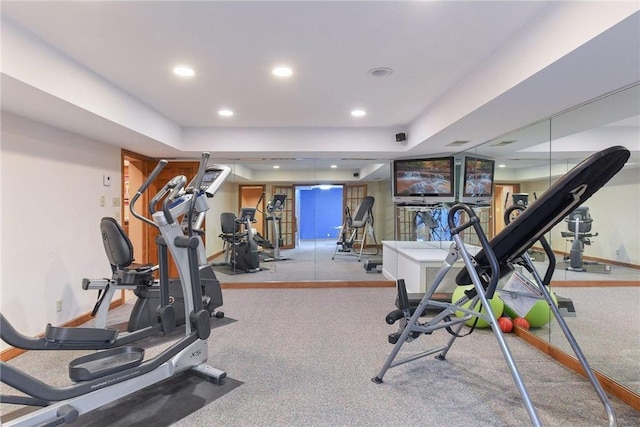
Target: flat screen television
477 180
423 181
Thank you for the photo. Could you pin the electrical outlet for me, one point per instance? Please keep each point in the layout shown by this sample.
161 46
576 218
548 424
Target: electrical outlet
116 202
617 252
58 306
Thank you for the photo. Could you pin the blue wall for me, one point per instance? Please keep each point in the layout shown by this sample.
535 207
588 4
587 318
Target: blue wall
320 213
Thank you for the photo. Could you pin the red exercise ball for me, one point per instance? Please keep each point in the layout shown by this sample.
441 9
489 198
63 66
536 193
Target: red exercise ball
521 323
506 324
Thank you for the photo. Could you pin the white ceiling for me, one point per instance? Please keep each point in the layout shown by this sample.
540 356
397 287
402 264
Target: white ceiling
468 70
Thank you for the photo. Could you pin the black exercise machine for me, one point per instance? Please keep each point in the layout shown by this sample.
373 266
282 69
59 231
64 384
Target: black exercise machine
361 222
118 370
497 259
239 246
579 233
139 278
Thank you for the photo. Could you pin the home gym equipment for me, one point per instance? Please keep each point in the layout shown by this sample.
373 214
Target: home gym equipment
497 307
273 217
499 258
362 221
140 279
239 246
117 371
426 225
579 233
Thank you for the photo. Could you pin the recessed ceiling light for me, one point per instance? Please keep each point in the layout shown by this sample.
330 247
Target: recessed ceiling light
276 166
183 71
502 166
380 71
282 71
225 112
358 113
334 166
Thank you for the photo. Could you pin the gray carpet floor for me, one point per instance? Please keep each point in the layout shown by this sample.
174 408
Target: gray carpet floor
306 357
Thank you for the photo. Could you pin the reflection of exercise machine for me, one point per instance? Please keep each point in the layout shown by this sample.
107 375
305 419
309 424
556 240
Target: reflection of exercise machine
273 218
119 370
239 246
362 221
521 199
578 232
498 258
426 226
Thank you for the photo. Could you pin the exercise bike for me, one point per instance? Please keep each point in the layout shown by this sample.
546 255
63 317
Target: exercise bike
240 247
579 223
118 369
140 279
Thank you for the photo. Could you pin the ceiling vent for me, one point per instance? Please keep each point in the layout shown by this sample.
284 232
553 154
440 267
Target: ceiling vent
458 143
502 143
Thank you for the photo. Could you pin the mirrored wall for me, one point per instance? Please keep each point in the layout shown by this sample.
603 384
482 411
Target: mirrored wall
596 247
301 217
306 235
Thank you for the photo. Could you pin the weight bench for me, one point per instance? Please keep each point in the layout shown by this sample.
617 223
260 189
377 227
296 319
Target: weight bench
498 258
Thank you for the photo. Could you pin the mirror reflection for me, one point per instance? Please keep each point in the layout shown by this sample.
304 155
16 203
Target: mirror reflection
597 246
307 222
310 220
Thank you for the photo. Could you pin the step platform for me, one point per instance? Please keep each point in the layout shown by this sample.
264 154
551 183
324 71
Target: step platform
373 265
80 338
103 363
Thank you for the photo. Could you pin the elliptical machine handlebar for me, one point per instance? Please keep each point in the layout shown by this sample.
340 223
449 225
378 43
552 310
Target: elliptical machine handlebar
258 203
197 191
154 174
174 188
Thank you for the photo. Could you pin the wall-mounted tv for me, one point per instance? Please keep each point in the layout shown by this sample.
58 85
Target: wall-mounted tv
477 180
423 181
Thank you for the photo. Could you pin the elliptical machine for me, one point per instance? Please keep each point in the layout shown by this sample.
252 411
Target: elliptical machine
140 279
118 370
273 217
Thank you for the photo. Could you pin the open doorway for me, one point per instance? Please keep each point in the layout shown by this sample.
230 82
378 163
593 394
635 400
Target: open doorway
502 199
134 172
319 212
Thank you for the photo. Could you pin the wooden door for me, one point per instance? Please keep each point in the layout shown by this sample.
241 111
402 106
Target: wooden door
188 169
249 196
287 218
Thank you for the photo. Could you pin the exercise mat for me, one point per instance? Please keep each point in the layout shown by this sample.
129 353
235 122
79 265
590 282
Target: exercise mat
161 404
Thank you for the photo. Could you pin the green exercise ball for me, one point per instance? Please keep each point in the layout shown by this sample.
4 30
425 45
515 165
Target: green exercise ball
539 315
497 306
